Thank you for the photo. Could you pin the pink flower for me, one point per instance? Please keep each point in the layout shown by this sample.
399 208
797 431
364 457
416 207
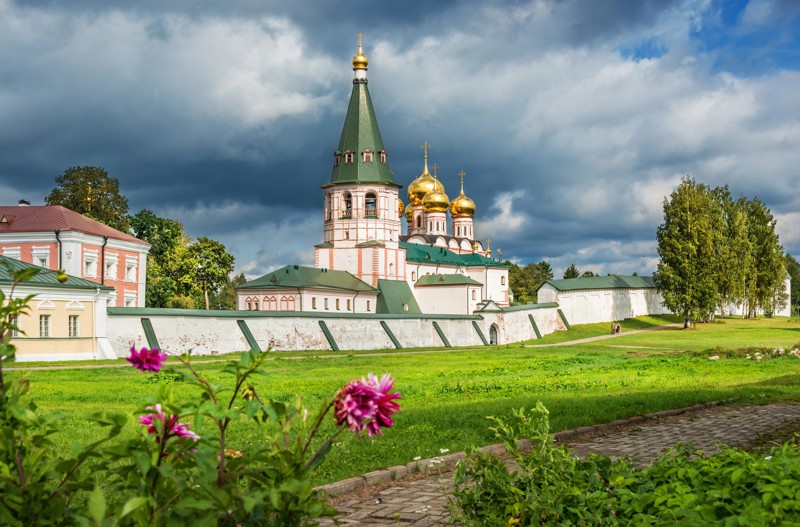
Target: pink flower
366 405
173 427
386 404
147 360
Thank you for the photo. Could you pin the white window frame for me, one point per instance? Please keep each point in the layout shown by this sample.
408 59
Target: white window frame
90 264
44 326
74 326
129 298
131 268
41 256
12 252
14 320
112 266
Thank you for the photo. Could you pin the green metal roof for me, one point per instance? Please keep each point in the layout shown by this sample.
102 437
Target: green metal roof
393 295
419 253
526 307
295 276
371 243
445 279
602 282
360 132
45 277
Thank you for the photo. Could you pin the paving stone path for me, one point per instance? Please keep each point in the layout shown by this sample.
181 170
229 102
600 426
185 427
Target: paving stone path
423 502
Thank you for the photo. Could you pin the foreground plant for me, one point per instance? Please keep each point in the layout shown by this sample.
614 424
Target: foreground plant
170 473
551 486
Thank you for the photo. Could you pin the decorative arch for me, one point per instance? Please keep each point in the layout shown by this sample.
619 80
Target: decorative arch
348 205
493 333
270 303
371 205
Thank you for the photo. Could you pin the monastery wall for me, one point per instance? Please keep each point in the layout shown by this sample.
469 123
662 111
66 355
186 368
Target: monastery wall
218 332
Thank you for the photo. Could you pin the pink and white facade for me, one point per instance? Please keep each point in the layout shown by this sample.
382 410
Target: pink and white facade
58 238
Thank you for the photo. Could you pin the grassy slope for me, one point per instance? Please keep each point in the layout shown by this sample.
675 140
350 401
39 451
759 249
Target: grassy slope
447 396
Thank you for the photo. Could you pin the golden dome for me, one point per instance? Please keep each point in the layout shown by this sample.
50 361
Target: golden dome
437 200
462 206
410 212
360 60
400 208
424 183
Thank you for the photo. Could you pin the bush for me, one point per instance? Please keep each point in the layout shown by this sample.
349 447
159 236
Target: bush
550 486
167 474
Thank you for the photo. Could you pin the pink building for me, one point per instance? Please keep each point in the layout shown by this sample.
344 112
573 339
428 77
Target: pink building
58 238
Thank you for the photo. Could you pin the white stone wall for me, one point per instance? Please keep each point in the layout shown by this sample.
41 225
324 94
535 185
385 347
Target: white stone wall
206 334
587 306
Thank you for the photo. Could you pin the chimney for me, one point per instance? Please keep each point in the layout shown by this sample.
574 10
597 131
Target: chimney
24 203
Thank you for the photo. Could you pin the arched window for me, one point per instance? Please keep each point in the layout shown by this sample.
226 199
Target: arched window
329 211
371 205
413 276
367 155
348 157
391 269
348 206
255 304
383 156
290 304
419 221
270 303
502 280
474 294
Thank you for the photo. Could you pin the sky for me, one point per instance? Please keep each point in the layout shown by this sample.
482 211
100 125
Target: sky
572 119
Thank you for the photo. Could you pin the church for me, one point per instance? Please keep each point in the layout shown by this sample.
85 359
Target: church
367 261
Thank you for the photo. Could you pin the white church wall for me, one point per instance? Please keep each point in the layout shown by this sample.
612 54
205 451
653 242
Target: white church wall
443 300
588 306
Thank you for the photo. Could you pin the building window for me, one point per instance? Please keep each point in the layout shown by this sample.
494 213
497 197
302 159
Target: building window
249 306
405 307
255 305
313 302
90 264
348 157
336 158
131 267
474 294
419 221
44 325
130 299
367 156
367 305
391 269
371 205
270 303
74 327
348 206
12 252
15 323
337 305
348 304
326 303
111 266
329 212
502 280
383 156
41 256
413 276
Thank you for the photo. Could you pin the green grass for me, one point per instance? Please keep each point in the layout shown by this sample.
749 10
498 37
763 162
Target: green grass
446 397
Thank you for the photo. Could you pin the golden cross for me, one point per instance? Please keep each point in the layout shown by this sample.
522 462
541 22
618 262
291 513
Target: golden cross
359 38
435 167
461 175
425 146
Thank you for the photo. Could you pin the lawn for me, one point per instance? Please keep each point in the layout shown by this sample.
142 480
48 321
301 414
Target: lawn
446 396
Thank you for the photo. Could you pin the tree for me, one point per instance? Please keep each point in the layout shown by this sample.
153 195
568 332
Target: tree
687 269
765 283
162 234
212 265
524 281
572 272
735 258
590 274
92 192
226 298
793 268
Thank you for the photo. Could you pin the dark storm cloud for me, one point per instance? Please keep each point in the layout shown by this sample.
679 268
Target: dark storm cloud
224 115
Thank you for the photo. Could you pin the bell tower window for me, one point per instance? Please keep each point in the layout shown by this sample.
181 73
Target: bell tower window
370 205
348 157
348 206
367 156
383 156
336 159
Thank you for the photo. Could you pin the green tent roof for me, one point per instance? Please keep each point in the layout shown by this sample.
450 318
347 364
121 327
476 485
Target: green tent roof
45 277
419 253
298 276
603 282
359 133
393 295
445 279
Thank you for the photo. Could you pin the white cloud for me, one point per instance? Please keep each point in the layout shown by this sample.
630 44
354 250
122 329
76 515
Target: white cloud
506 221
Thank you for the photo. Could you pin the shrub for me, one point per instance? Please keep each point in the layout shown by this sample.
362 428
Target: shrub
550 486
167 474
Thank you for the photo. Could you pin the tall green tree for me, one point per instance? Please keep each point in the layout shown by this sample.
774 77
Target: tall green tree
524 281
572 272
92 192
687 269
734 255
212 265
226 297
765 283
793 268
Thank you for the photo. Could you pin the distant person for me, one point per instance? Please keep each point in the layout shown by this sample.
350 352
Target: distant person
618 329
613 327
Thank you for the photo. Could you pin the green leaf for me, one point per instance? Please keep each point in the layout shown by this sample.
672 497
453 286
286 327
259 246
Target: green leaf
97 505
133 504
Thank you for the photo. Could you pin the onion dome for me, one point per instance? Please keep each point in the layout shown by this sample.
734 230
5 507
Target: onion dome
422 185
410 212
436 200
400 208
462 206
360 60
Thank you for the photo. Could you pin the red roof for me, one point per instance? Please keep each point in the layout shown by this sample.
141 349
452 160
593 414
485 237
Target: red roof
44 218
